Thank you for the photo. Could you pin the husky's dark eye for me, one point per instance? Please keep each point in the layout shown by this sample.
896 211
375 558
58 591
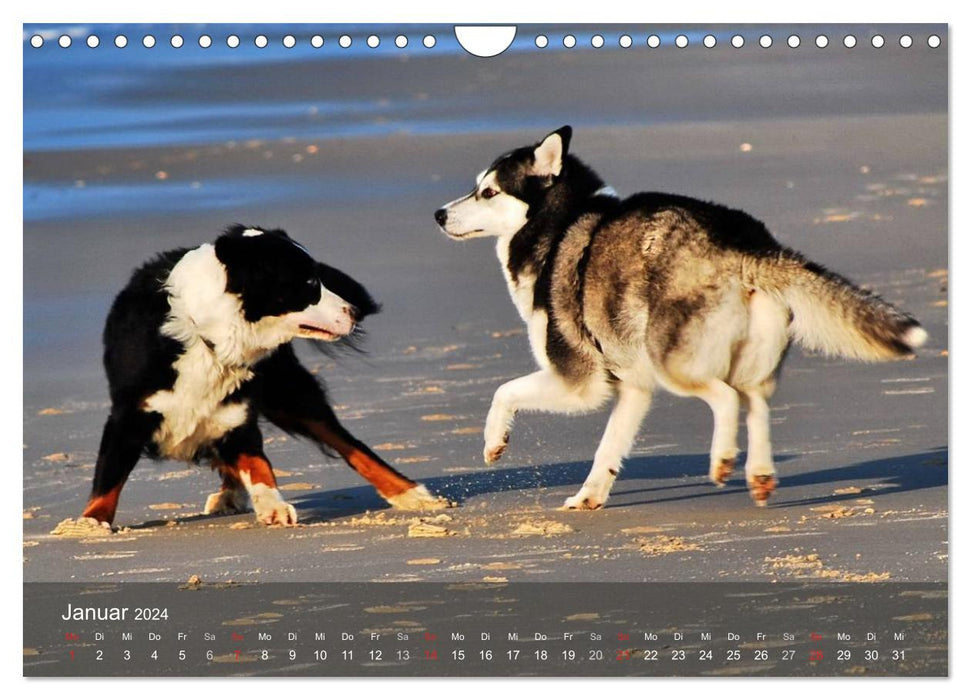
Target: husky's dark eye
312 282
488 193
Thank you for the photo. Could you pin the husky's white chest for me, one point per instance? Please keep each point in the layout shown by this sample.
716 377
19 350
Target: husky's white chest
193 410
522 291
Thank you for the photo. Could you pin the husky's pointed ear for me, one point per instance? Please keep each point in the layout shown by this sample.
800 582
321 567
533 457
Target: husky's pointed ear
548 156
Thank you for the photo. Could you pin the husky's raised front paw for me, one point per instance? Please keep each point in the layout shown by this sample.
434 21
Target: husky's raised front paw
227 502
494 450
721 471
419 498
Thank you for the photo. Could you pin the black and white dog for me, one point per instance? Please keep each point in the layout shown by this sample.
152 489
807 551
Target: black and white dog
197 349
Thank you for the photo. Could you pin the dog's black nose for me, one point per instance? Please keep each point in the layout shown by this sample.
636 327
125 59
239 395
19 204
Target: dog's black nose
441 216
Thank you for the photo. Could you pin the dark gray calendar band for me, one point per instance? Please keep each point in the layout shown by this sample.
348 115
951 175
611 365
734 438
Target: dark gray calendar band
486 629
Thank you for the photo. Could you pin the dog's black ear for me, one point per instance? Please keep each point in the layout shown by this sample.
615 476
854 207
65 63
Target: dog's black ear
230 245
549 153
348 289
566 133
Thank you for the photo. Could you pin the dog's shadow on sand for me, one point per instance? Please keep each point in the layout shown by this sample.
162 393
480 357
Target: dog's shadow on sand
881 476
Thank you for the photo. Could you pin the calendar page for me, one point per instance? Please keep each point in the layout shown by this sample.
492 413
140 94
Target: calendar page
446 350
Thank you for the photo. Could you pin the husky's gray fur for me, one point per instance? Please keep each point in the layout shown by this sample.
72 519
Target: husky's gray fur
621 296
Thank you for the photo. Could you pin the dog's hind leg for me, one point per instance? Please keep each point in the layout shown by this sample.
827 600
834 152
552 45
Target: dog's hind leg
540 391
122 441
394 487
632 405
759 469
294 400
723 401
232 497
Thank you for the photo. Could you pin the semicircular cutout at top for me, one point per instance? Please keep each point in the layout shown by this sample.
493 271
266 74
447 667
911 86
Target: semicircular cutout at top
485 41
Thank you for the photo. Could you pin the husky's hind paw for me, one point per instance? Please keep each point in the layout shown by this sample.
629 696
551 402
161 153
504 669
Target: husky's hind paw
493 452
761 487
419 498
721 471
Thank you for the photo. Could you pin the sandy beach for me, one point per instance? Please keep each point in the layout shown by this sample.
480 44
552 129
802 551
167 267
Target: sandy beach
843 154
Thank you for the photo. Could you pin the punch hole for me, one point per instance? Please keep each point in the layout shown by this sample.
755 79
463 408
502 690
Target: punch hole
289 41
906 42
542 42
625 41
597 41
485 41
765 41
316 41
793 41
374 41
429 41
710 41
876 41
849 41
261 41
205 41
654 41
36 41
64 41
933 41
148 41
822 41
680 41
232 41
569 41
401 41
121 41
738 41
176 41
93 42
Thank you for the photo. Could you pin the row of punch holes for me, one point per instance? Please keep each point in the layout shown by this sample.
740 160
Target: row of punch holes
541 41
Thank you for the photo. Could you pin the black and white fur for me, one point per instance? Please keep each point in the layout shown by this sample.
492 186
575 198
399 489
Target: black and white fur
623 295
197 350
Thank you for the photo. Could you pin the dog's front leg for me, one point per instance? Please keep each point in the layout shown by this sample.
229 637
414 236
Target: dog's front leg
242 462
540 391
632 405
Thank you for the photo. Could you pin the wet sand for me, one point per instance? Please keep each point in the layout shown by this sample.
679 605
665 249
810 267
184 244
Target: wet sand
862 450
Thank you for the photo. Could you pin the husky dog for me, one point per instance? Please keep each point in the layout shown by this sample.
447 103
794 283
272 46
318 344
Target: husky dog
623 295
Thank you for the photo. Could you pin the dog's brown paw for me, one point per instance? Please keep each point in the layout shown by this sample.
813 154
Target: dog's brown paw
722 471
492 453
761 487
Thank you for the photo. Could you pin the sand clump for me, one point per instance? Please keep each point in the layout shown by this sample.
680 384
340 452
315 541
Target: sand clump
543 528
430 527
812 566
841 511
81 527
666 544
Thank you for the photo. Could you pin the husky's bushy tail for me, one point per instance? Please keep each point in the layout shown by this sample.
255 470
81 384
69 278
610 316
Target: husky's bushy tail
832 315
